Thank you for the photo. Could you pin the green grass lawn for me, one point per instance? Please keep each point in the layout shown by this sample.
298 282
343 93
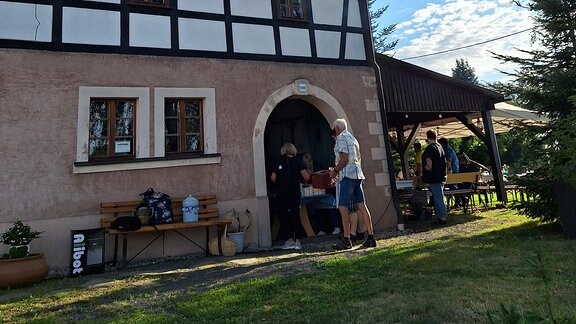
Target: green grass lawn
453 277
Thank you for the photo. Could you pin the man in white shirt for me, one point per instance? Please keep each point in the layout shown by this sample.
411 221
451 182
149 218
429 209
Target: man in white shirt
350 177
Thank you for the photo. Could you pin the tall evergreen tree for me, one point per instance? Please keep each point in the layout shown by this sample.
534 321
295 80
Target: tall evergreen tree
464 72
380 35
546 83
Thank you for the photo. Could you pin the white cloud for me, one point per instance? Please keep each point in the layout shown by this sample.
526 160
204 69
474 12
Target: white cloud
457 23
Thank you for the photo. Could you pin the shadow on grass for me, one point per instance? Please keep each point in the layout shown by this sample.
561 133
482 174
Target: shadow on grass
463 273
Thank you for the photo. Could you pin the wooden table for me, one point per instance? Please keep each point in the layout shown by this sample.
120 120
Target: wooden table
323 201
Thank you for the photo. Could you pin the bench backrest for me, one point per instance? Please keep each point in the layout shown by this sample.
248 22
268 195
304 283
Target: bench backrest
207 209
472 177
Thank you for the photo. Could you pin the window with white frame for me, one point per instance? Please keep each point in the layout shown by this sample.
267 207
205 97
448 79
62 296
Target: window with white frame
111 130
114 128
183 127
187 122
113 123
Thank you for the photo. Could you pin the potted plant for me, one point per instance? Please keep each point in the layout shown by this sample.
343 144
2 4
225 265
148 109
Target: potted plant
19 267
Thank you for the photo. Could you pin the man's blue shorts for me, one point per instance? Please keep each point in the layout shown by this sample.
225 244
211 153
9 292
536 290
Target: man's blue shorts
350 190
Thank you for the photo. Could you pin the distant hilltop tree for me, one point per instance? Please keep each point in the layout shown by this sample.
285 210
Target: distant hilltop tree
464 72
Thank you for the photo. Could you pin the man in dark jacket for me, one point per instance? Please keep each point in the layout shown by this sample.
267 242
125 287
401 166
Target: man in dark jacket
434 174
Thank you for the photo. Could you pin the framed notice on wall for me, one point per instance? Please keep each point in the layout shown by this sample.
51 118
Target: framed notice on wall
122 147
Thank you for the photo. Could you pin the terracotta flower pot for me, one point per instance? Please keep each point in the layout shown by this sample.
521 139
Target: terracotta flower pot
23 271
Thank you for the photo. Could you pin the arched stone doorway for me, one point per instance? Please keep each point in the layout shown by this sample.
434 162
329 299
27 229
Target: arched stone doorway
326 104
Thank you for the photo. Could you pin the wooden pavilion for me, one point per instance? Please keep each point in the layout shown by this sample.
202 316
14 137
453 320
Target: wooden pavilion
414 96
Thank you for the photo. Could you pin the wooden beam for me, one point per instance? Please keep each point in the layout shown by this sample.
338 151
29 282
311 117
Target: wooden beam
494 156
409 143
401 148
475 130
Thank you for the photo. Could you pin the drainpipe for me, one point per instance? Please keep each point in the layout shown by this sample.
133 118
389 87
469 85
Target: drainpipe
371 52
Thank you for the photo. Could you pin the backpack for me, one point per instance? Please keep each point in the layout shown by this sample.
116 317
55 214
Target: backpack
160 207
126 223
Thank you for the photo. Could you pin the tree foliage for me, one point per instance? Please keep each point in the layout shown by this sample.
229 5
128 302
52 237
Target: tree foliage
546 83
464 72
380 35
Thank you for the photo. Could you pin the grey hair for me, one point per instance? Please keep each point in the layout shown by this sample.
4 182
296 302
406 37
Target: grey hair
288 149
341 123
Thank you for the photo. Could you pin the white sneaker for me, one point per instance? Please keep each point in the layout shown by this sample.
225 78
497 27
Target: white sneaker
321 233
297 246
288 245
336 230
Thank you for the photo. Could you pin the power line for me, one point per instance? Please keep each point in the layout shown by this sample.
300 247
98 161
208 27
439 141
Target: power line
467 46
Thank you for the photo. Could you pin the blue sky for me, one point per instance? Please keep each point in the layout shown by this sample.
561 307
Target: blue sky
430 26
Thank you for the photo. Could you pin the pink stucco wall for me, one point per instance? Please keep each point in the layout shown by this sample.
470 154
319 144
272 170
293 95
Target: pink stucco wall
38 125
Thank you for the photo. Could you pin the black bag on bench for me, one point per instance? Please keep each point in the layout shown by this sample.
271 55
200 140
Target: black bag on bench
160 207
126 223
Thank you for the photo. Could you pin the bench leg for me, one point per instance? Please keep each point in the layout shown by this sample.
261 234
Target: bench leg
190 240
142 250
208 239
124 249
115 259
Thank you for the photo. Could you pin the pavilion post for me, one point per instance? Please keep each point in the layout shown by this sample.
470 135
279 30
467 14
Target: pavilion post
496 164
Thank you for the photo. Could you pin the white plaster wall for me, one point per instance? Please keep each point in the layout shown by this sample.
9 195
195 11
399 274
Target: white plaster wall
354 14
327 44
203 35
253 39
295 42
251 8
355 47
87 26
18 21
211 6
328 12
149 31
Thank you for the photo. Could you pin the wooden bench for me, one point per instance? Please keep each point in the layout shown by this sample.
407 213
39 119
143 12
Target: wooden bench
466 178
471 178
208 216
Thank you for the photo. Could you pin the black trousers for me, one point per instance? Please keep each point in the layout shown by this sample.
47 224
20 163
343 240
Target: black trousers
289 217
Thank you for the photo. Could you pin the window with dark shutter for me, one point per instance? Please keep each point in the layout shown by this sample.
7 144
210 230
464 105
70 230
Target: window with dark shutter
183 126
112 128
291 9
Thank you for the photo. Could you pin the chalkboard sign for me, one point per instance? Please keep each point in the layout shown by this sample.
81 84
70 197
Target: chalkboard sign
87 252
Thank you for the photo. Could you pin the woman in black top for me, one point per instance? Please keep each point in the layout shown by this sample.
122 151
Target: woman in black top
287 175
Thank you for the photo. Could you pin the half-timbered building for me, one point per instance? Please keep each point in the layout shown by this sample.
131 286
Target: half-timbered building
102 99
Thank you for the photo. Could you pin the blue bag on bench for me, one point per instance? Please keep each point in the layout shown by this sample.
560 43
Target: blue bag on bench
160 207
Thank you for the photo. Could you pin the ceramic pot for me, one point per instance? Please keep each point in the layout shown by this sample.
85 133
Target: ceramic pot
23 271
